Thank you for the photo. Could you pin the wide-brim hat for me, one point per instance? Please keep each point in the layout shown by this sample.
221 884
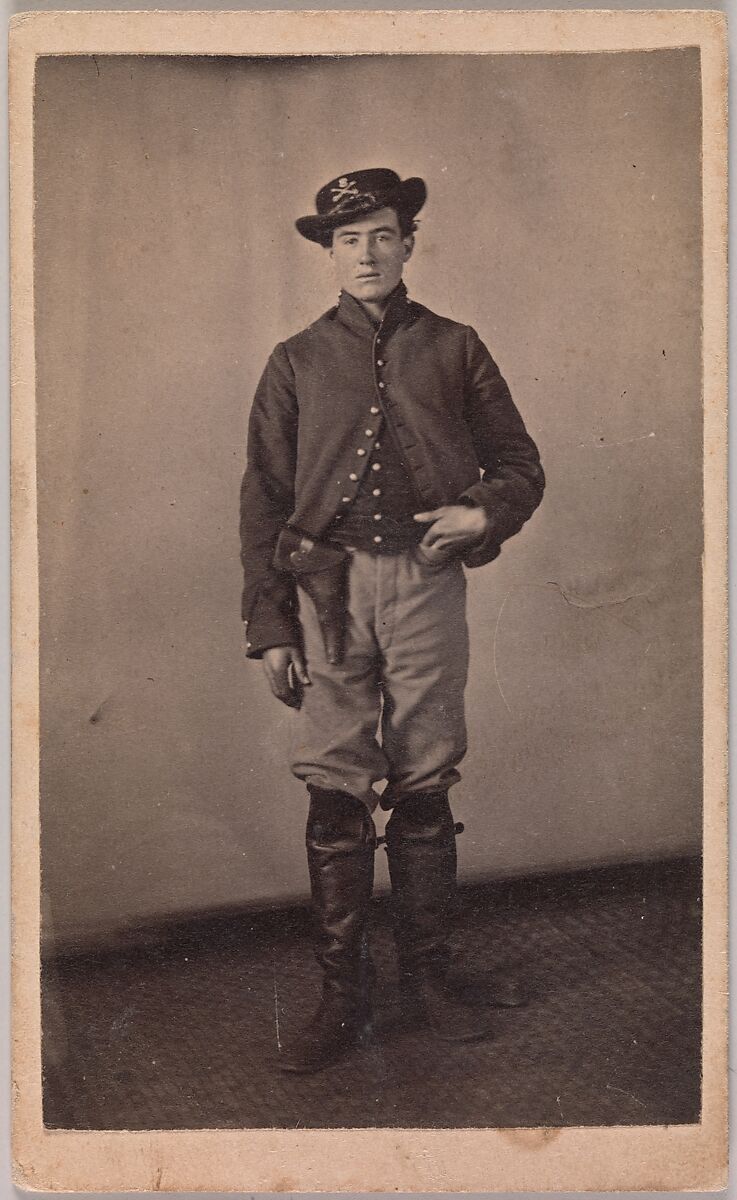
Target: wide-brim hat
356 195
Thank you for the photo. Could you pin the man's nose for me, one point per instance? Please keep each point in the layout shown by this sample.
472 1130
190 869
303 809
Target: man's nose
367 251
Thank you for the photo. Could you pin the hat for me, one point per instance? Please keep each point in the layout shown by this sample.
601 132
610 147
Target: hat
356 195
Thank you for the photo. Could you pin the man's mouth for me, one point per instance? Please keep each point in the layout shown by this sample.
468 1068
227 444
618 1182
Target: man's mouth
370 275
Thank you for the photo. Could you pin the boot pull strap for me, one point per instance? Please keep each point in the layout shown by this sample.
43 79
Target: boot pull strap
458 828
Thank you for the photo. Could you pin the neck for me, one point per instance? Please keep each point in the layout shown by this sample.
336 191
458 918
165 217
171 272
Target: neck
375 308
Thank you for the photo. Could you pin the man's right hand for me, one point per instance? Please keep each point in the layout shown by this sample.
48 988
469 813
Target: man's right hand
287 674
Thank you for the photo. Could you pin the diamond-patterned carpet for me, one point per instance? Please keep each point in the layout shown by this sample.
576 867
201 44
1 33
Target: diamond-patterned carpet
185 1032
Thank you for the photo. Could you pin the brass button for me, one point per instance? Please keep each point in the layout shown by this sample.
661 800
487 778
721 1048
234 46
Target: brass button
376 492
360 451
377 445
369 433
381 385
353 477
376 466
378 539
379 362
346 499
374 409
377 516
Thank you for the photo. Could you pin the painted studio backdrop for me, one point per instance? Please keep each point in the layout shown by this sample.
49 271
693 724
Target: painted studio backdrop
564 224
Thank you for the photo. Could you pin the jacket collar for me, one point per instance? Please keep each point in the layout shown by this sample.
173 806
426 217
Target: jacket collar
398 311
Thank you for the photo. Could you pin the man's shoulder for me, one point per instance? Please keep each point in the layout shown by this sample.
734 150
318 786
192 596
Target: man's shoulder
315 329
447 324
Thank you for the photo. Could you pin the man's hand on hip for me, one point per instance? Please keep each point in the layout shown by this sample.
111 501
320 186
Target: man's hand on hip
286 672
451 528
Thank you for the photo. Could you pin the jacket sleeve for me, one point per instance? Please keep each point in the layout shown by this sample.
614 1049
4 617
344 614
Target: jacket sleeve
512 480
269 605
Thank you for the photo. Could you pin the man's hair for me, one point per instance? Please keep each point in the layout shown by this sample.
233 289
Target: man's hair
407 225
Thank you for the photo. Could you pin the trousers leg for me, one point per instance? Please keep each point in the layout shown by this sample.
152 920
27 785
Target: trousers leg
335 741
424 644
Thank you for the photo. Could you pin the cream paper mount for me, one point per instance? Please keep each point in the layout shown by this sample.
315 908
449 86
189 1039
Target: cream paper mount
70 425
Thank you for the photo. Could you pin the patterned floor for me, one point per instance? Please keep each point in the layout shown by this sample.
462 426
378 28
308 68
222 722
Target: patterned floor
185 1033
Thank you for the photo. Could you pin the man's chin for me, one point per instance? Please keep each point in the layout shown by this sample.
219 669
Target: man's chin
370 291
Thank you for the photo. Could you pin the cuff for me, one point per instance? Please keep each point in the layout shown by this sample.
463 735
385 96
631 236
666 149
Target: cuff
264 635
503 521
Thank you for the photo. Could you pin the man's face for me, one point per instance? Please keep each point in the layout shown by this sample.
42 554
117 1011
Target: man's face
369 255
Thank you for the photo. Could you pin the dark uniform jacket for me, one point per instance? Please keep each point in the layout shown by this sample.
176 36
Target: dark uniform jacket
432 382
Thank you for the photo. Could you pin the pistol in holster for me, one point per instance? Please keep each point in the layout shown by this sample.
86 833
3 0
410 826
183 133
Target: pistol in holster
321 570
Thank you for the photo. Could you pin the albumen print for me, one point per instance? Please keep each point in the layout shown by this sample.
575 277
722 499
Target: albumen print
372 466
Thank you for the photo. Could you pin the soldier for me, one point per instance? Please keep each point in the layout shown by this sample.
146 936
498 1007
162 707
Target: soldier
384 453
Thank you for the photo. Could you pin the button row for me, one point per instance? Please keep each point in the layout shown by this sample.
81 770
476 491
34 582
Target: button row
377 466
361 452
377 445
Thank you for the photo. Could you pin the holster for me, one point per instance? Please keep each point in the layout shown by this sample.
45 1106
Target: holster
321 570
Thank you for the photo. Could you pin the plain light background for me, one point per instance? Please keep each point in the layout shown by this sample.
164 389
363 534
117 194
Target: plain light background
563 222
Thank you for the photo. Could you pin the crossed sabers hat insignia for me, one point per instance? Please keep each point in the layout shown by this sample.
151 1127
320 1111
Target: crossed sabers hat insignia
345 188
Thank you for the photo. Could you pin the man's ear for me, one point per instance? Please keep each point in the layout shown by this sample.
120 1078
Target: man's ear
409 245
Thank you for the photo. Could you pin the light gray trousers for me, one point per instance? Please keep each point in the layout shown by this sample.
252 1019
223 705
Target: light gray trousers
393 709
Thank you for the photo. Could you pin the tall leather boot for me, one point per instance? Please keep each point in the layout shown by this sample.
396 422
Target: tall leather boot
421 849
341 841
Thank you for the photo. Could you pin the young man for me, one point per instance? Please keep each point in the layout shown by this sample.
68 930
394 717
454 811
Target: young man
384 453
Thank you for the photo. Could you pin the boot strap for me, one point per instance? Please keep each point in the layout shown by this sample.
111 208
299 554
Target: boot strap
458 828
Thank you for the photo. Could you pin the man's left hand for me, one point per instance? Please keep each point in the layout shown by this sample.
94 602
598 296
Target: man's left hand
452 528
